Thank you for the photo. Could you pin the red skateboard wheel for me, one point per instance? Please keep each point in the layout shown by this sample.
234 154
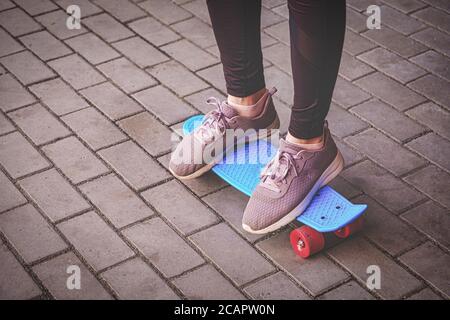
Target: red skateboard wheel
306 241
350 229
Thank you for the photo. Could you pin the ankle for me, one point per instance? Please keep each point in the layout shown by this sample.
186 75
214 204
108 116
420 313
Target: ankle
309 144
247 101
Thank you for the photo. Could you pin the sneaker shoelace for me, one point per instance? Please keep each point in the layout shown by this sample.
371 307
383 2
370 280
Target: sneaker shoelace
275 173
214 124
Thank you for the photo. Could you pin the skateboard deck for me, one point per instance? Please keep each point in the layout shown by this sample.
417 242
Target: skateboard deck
328 210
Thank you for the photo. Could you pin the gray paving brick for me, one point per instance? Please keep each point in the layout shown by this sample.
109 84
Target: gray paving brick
58 96
211 242
281 81
134 165
188 54
348 291
14 280
95 240
18 156
196 31
399 21
350 155
116 201
86 6
437 18
55 22
441 4
53 195
163 247
434 62
27 68
390 91
433 182
342 123
434 148
107 27
434 88
279 31
357 254
126 75
179 207
347 94
405 6
215 76
268 18
92 48
140 52
431 263
36 7
9 195
432 220
386 152
355 44
387 230
166 11
78 73
392 65
432 116
276 287
395 41
279 54
148 133
122 10
316 274
425 294
198 100
94 128
178 78
53 274
39 124
164 104
9 44
206 283
355 20
6 4
5 125
30 234
351 68
199 9
390 121
13 94
136 280
45 45
230 204
111 101
17 22
205 184
74 160
378 183
435 39
344 187
153 31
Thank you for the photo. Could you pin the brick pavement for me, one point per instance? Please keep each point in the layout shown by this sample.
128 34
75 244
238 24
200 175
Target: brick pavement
86 118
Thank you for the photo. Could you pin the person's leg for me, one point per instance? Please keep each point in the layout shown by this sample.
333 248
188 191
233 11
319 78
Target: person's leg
317 29
236 26
249 105
308 159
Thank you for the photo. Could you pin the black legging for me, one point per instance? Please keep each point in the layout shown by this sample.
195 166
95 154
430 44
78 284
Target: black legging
317 29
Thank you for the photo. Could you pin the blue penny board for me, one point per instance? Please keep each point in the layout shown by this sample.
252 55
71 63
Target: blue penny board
328 210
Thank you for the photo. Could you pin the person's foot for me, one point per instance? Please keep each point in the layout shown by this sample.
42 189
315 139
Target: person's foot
199 151
289 182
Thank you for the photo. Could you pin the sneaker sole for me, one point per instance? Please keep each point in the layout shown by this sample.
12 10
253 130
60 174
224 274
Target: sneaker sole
275 125
329 174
